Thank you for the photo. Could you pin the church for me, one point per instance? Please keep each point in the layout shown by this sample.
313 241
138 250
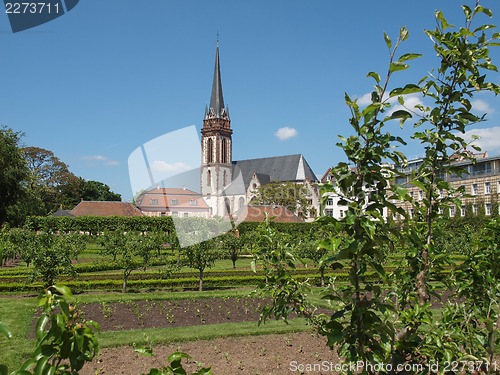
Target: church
227 185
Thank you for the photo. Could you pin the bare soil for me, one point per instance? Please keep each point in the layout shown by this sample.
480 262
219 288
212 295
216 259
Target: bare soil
250 355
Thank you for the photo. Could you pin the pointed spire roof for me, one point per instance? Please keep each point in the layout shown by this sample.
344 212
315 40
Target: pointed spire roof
216 109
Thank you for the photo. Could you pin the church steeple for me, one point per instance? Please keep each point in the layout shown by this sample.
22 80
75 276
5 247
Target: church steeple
216 109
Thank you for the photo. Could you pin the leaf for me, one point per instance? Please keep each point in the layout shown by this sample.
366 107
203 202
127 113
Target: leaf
5 330
145 350
177 356
397 66
375 75
40 326
387 40
408 89
410 56
64 290
467 11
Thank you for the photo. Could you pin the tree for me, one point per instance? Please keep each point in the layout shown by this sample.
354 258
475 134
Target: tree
202 255
232 244
13 172
97 191
397 328
287 194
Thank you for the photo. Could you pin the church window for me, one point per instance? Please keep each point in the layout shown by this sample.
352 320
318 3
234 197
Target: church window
227 205
210 150
224 151
241 203
209 178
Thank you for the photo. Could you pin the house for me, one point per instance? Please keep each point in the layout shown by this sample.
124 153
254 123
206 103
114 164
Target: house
99 208
172 202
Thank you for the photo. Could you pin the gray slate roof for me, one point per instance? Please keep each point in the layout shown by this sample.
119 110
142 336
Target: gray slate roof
60 213
277 168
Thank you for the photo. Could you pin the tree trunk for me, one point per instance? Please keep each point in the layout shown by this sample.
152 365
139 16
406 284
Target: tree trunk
322 270
234 263
201 281
124 289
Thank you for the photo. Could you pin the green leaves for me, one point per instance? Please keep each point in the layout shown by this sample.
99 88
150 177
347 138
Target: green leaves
374 75
387 41
408 89
409 56
5 330
397 66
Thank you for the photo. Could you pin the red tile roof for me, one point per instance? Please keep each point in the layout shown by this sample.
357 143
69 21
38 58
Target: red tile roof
258 213
95 208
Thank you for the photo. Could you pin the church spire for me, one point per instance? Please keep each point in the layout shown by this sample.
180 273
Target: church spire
216 109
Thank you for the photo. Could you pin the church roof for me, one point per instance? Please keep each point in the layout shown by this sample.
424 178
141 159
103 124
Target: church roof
216 109
277 168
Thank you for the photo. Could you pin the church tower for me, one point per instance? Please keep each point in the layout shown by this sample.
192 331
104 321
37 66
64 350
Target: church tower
216 147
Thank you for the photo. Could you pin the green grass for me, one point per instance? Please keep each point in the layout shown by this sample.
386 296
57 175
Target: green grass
17 313
153 336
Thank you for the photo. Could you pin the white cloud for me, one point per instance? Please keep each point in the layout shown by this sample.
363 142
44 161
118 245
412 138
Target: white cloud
94 157
163 167
286 133
482 106
100 158
411 100
489 139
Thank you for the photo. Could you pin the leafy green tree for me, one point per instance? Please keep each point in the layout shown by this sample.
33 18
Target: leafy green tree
13 173
97 191
232 244
202 255
287 194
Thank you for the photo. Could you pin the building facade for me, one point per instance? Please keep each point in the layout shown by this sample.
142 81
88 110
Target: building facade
481 183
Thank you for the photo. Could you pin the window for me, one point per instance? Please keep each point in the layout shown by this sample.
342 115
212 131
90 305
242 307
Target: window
193 202
163 214
185 214
174 202
412 194
412 213
440 210
342 214
329 212
475 189
210 150
175 214
241 203
420 195
452 211
153 201
474 208
463 189
440 193
487 188
462 210
329 202
487 209
209 178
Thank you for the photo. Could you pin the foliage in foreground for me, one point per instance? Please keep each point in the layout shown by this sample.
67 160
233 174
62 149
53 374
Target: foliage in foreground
388 331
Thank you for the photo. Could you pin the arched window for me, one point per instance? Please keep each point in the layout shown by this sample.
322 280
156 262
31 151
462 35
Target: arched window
227 205
224 151
209 178
241 203
210 150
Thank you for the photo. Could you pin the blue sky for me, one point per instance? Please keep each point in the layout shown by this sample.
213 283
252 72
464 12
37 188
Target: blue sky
111 75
